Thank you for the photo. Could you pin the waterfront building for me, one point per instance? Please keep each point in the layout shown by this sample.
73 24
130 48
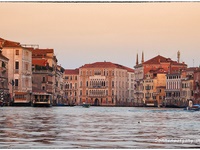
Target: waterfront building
154 87
188 85
19 71
59 85
138 87
104 84
42 81
130 85
51 61
152 64
71 82
4 91
197 86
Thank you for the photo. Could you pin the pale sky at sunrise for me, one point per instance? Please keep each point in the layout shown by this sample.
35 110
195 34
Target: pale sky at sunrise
83 33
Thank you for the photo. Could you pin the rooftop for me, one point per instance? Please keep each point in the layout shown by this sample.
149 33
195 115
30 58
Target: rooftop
71 71
106 65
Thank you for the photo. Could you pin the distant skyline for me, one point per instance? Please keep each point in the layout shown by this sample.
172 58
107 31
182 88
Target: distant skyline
82 33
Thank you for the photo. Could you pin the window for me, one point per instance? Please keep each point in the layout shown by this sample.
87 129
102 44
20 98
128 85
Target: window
16 65
43 88
17 52
80 92
43 79
26 66
16 82
112 83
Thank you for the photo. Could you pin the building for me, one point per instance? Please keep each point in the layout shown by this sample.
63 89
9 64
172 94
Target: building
71 82
104 84
154 87
19 71
130 87
196 86
144 67
4 91
51 62
42 81
60 93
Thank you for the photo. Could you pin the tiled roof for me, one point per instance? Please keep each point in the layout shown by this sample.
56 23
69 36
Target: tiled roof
157 60
106 65
6 43
39 62
71 71
42 51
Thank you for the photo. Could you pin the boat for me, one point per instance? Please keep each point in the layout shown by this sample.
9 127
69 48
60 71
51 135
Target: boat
86 105
41 100
192 107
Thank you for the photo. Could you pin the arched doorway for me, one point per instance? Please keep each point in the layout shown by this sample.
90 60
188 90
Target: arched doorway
96 102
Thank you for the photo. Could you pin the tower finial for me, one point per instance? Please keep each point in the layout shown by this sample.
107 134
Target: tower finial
142 57
137 59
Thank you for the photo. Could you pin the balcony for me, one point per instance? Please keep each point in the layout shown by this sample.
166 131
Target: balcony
26 72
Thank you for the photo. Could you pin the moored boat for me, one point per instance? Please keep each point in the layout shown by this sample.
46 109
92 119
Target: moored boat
41 100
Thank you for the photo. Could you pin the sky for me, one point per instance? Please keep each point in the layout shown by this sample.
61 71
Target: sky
82 33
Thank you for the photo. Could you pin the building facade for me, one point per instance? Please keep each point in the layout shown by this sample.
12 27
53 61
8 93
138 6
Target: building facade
71 88
104 84
51 63
4 91
142 69
19 71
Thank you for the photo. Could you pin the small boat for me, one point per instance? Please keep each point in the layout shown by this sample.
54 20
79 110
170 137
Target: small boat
192 107
86 105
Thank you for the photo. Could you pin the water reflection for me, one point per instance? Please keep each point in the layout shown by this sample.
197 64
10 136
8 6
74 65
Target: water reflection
97 127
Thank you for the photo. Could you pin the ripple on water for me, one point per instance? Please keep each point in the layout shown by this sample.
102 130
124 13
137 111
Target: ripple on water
97 127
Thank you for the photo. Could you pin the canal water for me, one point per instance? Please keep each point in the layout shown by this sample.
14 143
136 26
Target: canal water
98 127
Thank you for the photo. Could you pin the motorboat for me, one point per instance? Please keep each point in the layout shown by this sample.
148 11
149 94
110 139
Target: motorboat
86 105
192 107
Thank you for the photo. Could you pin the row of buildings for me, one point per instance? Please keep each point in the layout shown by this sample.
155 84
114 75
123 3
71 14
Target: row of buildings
29 74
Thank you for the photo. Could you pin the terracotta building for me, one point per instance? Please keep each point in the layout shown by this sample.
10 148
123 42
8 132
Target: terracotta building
71 82
103 83
19 71
144 67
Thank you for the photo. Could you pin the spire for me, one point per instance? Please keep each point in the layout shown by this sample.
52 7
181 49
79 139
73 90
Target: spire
142 57
178 56
137 59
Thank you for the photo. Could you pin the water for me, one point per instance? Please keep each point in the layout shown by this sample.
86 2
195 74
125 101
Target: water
98 127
